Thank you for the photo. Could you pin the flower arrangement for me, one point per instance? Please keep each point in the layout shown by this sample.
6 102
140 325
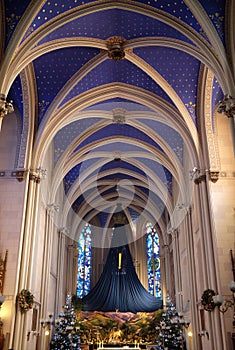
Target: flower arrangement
207 299
25 300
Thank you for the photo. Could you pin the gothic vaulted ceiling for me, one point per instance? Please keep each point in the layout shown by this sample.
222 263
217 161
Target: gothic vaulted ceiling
111 90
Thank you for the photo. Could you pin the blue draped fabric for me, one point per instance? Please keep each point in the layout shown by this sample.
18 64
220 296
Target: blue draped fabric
119 288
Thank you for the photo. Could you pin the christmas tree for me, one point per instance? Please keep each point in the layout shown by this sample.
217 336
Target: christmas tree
170 330
65 334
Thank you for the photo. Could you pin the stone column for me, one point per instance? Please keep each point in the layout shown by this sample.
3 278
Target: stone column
71 258
60 269
26 257
216 332
47 251
165 268
177 269
192 277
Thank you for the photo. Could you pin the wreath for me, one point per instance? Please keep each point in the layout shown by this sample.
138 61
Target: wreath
207 300
25 300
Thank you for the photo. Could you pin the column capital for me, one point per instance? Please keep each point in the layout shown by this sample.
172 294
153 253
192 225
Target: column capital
172 231
199 176
52 208
227 106
166 247
5 107
34 176
37 175
64 231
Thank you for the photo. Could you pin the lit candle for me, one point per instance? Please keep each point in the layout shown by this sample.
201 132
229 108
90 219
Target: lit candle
119 261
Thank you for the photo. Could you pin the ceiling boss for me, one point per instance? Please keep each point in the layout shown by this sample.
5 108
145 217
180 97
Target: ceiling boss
115 48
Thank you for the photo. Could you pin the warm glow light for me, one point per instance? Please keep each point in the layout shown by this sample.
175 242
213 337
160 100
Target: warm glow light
47 332
190 334
119 261
4 311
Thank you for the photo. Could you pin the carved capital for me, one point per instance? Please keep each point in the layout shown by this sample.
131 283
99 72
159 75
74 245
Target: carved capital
35 177
174 234
166 248
172 231
52 209
227 106
199 179
5 107
64 231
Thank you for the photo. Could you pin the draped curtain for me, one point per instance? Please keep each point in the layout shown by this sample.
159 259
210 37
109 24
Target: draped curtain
119 288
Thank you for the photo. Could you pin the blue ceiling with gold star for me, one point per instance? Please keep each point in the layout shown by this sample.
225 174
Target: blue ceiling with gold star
131 72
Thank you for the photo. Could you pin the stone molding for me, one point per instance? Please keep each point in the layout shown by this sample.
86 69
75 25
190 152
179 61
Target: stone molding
210 136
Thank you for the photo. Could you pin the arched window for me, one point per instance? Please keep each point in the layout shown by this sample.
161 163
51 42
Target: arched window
84 262
153 261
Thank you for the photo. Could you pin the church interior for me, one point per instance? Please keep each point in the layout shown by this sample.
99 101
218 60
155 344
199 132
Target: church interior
117 174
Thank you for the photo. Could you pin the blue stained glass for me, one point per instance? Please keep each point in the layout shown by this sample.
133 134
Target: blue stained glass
153 261
84 262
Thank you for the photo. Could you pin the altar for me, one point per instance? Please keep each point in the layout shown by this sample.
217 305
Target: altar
118 348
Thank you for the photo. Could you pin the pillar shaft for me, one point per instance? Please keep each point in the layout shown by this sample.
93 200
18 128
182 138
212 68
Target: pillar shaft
192 278
47 251
177 269
214 321
26 256
60 270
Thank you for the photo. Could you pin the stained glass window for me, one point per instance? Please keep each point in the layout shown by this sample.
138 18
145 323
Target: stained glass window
153 261
84 262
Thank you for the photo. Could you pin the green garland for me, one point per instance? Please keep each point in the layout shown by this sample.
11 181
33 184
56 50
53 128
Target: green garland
207 299
25 300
